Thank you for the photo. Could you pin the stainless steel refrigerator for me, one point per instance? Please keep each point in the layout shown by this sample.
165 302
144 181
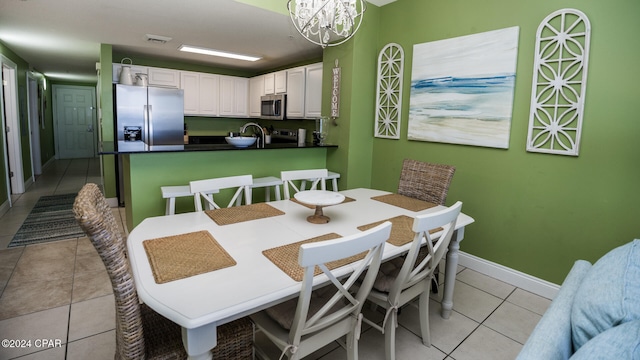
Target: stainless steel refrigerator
151 115
146 118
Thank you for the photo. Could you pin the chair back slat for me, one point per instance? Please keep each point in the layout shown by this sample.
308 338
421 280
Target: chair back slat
203 191
290 179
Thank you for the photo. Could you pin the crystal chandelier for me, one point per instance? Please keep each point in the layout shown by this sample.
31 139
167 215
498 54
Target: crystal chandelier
326 22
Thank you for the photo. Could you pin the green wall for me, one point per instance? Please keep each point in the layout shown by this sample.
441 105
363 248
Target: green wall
353 129
106 120
536 213
46 133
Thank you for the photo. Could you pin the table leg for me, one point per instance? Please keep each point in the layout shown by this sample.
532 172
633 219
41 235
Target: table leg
198 342
450 273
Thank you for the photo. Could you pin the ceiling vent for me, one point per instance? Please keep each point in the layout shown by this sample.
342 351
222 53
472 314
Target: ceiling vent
157 39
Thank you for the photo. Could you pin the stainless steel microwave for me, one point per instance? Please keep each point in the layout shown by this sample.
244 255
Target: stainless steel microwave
272 107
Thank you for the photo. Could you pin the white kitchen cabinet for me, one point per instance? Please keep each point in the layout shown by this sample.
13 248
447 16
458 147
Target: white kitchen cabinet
269 83
304 92
280 82
164 77
201 93
256 90
117 68
295 92
313 91
275 82
234 96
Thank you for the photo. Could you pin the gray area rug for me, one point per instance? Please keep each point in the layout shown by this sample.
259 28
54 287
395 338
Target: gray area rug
50 219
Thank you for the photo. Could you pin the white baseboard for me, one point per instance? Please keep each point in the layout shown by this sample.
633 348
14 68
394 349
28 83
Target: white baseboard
4 207
510 276
28 183
48 163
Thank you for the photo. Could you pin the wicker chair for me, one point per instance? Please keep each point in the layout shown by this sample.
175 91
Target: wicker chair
141 332
428 182
425 181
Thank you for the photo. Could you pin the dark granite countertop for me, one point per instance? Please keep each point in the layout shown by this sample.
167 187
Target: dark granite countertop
139 147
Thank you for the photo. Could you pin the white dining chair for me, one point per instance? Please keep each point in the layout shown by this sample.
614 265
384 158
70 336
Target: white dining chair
403 279
291 177
298 327
203 191
427 182
331 177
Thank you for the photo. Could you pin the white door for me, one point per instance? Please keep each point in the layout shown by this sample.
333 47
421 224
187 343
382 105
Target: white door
12 126
74 116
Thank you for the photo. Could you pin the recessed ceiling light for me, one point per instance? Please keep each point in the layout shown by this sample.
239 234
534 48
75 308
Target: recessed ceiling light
205 51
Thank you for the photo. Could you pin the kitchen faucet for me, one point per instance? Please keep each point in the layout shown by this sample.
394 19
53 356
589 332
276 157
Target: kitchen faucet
261 139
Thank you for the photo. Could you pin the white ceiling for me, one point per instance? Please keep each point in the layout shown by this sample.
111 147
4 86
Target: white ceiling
61 38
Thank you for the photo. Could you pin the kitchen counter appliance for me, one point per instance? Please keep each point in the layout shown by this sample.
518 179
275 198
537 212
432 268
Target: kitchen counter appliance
272 107
146 117
153 115
284 136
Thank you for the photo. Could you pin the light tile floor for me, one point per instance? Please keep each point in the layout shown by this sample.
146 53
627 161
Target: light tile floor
60 292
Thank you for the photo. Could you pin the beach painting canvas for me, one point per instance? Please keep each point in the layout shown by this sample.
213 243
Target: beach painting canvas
462 89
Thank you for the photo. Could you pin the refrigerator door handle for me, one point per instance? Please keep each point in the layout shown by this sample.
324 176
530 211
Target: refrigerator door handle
150 124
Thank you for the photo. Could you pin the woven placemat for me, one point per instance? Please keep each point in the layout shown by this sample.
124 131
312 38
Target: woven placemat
404 202
346 200
180 256
236 214
401 229
401 232
286 257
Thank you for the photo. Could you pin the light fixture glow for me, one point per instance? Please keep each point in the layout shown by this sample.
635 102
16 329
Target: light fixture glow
327 22
70 77
211 52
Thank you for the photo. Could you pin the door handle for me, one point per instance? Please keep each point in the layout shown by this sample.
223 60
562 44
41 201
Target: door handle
90 128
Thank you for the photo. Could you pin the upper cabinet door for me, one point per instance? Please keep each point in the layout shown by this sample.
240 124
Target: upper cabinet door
280 82
164 77
190 83
295 93
269 84
313 91
234 96
209 94
200 93
256 90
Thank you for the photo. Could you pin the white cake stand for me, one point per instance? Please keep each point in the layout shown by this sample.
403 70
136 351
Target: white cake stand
319 198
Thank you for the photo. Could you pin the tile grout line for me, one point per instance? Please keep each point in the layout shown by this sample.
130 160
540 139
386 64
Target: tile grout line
73 280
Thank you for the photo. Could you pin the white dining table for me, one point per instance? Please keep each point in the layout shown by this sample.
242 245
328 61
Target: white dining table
202 302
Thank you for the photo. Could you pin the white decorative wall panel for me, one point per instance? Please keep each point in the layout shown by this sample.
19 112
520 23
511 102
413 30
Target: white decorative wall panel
559 83
389 92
